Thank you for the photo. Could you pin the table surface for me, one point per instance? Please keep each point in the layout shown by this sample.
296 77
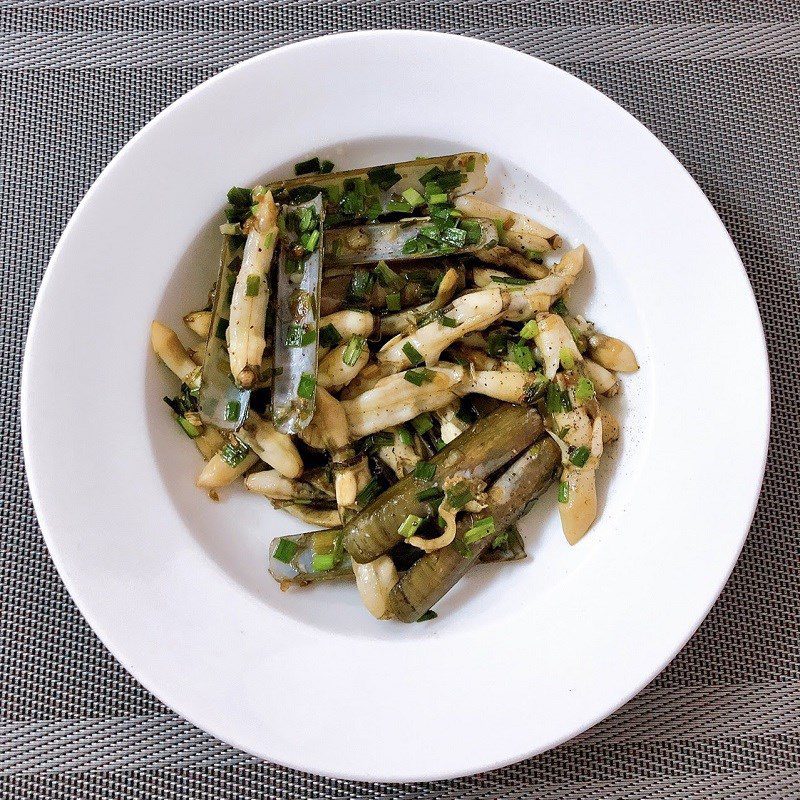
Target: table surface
716 81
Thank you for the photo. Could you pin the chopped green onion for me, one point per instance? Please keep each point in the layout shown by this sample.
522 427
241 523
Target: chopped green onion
405 435
285 551
418 376
448 322
580 455
507 280
189 429
449 180
240 197
323 562
393 301
310 241
291 266
377 440
368 493
480 530
496 343
424 470
353 350
232 411
413 197
384 177
563 492
560 307
529 330
522 356
423 423
409 526
307 219
307 386
470 165
399 206
309 337
454 236
533 255
387 276
566 358
555 399
329 336
436 199
308 167
253 285
584 390
461 548
233 454
326 166
439 444
501 540
294 335
428 615
360 284
432 493
412 354
459 495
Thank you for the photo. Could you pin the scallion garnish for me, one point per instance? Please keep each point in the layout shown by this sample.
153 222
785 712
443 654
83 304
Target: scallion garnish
329 336
253 285
496 343
507 280
521 355
238 196
413 197
360 284
326 166
189 429
555 399
368 493
423 423
405 435
393 301
456 237
309 337
459 495
384 177
563 492
469 166
580 455
310 241
412 354
399 206
560 307
234 454
566 357
387 276
307 386
431 494
437 199
294 335
353 350
285 551
481 529
424 470
308 167
529 330
418 376
448 322
409 526
584 390
323 562
232 411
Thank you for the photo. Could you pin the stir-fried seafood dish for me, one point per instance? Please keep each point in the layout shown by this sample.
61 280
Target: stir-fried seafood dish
391 359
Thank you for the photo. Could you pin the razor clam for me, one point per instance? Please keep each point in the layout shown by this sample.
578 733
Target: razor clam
297 314
395 241
222 403
368 193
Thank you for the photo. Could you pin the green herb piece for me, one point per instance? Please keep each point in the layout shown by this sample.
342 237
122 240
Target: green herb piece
501 540
529 330
431 494
507 280
534 255
307 386
399 206
459 495
326 166
436 199
309 337
566 358
323 562
412 354
329 336
393 301
253 285
378 440
285 551
461 548
418 376
448 322
232 410
294 335
560 308
480 530
470 164
238 196
522 356
473 230
555 399
353 350
584 390
234 454
580 455
405 435
563 492
310 241
496 343
413 197
387 276
384 177
308 167
439 444
306 220
368 493
190 430
360 284
456 237
409 526
292 266
449 180
424 470
423 423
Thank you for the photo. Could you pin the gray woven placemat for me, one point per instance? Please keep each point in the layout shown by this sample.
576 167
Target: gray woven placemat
716 81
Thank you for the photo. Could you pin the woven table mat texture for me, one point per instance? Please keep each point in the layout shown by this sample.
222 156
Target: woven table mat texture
717 82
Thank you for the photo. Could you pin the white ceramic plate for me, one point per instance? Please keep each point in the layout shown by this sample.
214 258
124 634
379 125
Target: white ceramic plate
521 658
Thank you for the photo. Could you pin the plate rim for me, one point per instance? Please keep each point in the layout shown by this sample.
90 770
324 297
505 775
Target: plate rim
108 171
